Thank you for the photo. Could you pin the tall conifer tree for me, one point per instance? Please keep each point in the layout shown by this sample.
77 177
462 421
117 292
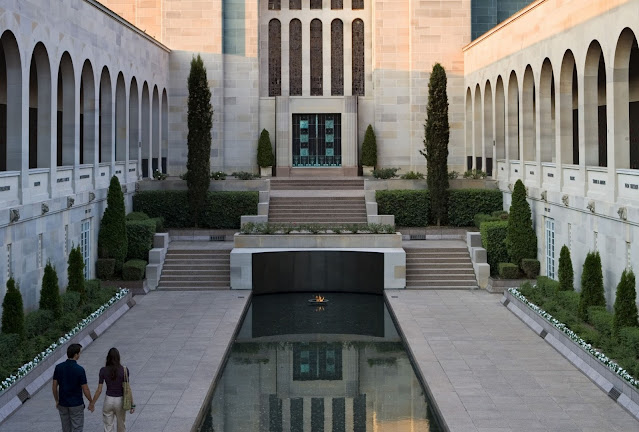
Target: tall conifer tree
436 135
521 240
112 240
200 122
50 292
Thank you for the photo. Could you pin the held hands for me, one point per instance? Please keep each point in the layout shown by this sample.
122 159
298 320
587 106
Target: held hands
91 407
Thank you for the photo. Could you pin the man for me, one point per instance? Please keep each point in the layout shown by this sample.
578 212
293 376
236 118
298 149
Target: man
71 381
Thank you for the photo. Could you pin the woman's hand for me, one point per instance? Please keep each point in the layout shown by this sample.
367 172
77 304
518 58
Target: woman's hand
132 409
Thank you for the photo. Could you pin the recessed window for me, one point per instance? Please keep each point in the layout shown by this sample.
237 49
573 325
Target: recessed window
274 4
316 4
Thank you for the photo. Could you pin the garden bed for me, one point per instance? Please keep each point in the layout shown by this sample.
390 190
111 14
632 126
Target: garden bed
33 375
606 374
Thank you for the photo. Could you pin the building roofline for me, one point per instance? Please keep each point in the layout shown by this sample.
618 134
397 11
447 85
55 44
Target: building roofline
96 4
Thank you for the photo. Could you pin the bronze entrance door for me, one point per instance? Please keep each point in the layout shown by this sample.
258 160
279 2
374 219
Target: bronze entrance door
317 140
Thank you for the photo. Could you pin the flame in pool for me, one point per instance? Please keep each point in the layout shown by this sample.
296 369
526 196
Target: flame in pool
319 298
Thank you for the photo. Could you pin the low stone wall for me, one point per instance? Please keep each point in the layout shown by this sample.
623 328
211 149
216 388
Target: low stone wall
499 286
478 257
12 398
230 184
318 240
616 387
396 184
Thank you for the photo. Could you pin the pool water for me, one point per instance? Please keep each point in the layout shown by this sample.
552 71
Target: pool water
301 367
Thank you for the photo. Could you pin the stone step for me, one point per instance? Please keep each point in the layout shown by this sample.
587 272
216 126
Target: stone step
439 287
463 253
440 278
200 271
441 271
315 199
193 286
437 260
443 283
302 206
198 252
186 264
191 278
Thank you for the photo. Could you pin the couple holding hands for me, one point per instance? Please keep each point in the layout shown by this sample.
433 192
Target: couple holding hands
70 383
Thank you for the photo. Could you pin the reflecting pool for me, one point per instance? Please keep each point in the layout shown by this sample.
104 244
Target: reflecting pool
302 367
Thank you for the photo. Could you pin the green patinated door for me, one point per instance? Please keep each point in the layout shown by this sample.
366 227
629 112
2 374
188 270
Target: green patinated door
317 140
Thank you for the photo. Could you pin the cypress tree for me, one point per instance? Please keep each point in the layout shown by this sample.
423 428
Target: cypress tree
625 303
566 274
369 148
112 241
436 135
200 122
521 240
12 310
75 273
264 150
50 292
592 289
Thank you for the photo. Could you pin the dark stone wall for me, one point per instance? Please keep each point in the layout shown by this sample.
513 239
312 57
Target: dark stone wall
486 14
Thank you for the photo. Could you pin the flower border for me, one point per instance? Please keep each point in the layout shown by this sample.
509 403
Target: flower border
611 365
27 367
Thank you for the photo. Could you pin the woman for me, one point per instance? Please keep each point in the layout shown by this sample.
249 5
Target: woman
114 375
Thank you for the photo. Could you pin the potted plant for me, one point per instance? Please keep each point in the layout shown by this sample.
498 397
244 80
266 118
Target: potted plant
369 152
265 154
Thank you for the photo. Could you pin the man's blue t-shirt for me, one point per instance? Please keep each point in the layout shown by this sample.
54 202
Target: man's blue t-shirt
70 377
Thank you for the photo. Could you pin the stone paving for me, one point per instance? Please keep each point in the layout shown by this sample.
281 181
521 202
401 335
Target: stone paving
488 372
172 342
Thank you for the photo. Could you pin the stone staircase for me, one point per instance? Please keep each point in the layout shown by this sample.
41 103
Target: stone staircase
200 269
316 184
439 268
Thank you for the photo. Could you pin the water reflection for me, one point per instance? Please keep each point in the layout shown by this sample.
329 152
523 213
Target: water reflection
335 367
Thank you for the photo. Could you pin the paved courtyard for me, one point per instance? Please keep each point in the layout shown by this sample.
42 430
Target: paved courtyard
487 370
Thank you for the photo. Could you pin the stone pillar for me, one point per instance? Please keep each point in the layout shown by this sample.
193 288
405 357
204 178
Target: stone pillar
282 135
306 57
349 136
285 57
348 58
326 57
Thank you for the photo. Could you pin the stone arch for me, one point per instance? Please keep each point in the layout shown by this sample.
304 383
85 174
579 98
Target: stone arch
359 72
488 128
595 108
512 125
120 119
165 131
145 129
66 112
40 108
528 106
317 72
134 119
569 109
626 100
105 136
469 129
10 103
274 58
295 57
477 124
500 119
547 112
88 109
337 57
155 131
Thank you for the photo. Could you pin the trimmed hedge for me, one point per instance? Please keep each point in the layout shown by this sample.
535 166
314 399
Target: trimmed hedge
222 210
464 204
140 235
13 309
104 268
601 319
508 271
136 216
547 286
625 302
493 236
483 217
410 207
530 267
133 270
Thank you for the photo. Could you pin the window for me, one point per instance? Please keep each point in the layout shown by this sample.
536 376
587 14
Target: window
316 58
358 57
274 4
550 248
317 361
316 4
295 58
295 4
337 4
85 246
274 58
337 58
358 4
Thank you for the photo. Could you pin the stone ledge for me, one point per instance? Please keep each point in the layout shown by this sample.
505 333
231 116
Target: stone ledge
42 374
318 240
598 373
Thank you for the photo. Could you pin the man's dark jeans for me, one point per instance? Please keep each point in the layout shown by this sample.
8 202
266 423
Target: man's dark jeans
72 418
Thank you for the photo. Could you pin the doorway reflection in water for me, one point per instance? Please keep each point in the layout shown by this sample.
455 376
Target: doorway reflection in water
337 367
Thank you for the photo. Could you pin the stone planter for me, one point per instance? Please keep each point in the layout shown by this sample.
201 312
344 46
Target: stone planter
367 171
615 386
501 285
12 398
266 171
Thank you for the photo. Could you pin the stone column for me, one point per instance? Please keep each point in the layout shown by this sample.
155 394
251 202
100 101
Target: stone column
349 136
282 134
348 58
285 57
537 126
326 57
306 57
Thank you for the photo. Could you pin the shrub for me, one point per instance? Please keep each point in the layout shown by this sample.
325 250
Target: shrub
629 336
530 267
75 273
200 123
264 150
140 235
135 216
12 310
104 268
385 173
70 301
159 224
493 237
568 300
222 209
547 286
159 175
452 175
218 175
133 269
411 175
483 217
600 319
500 214
566 274
410 207
521 240
464 204
592 289
475 174
112 236
369 148
625 303
37 322
244 175
50 292
508 271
